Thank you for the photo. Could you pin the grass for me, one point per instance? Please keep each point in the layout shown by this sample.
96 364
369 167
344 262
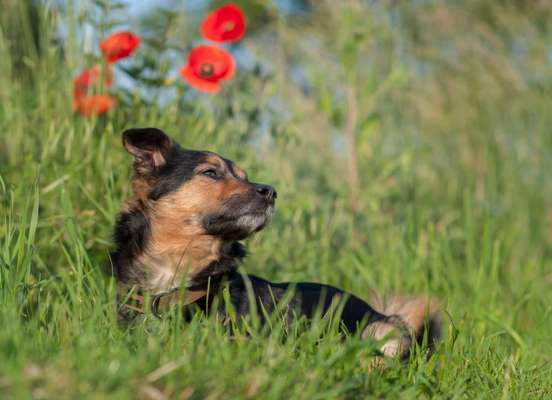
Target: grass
453 201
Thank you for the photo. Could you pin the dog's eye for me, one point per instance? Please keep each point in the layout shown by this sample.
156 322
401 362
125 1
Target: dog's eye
211 173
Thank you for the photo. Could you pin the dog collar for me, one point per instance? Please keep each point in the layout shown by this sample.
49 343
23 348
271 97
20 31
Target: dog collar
137 301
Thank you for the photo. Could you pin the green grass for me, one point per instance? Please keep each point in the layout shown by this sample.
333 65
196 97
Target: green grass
454 201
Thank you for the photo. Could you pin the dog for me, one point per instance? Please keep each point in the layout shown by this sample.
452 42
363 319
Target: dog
182 228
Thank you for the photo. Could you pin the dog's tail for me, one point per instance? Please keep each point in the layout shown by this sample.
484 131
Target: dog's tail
416 318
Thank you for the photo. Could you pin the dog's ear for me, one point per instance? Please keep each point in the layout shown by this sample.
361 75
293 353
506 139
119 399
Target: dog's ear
151 148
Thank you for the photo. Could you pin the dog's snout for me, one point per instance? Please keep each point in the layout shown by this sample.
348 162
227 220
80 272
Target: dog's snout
267 191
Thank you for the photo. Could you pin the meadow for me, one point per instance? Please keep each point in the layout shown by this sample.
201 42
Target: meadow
411 147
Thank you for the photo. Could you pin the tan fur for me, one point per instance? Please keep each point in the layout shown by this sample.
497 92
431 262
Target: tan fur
240 173
421 316
418 312
179 246
397 340
141 188
215 160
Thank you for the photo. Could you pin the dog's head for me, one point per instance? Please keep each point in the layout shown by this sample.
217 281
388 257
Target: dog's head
195 193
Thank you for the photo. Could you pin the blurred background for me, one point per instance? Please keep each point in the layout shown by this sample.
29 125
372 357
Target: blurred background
410 143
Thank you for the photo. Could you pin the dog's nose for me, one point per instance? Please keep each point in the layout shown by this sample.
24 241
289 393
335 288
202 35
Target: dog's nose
267 191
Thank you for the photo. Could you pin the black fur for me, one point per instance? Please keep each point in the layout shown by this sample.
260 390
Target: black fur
219 270
307 300
223 222
179 168
132 232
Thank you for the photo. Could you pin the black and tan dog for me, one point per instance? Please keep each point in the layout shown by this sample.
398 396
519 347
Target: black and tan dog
189 211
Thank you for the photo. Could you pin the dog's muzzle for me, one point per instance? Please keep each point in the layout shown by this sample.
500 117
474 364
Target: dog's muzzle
242 215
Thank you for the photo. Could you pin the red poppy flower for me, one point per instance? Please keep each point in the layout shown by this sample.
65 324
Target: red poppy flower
89 78
119 45
225 24
93 105
207 66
